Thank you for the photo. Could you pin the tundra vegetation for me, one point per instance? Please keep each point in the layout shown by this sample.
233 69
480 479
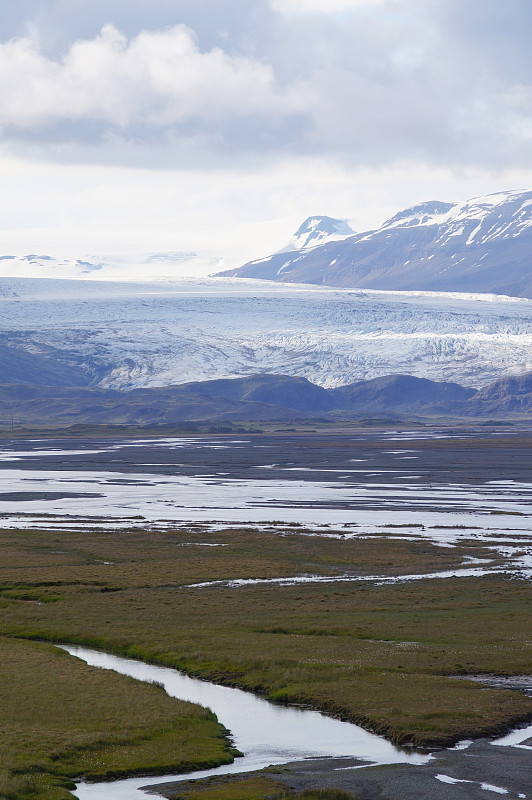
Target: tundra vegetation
249 788
61 718
383 655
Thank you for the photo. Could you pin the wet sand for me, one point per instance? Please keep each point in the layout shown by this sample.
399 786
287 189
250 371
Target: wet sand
428 458
507 771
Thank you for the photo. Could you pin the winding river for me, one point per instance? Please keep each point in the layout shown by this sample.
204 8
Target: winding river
265 733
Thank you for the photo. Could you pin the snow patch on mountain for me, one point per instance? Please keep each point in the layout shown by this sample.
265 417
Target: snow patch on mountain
430 213
484 218
318 230
482 245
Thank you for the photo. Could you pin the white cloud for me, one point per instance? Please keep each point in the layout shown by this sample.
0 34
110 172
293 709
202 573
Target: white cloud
158 78
371 88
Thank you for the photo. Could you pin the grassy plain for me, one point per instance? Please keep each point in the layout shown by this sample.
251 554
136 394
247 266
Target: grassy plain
61 719
385 656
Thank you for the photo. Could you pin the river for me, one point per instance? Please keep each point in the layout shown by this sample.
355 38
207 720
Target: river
265 733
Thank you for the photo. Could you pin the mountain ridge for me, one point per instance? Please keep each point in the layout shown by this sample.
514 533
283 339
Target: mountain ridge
482 245
266 397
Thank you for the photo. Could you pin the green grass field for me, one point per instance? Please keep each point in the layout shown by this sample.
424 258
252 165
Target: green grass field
385 656
61 719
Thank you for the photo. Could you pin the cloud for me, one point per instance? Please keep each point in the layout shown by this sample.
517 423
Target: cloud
215 82
57 24
158 79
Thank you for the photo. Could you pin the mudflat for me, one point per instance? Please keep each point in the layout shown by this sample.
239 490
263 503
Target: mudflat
480 772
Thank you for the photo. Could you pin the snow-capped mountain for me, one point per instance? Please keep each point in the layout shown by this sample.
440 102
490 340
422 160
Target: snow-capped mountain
127 335
33 265
147 266
483 245
318 230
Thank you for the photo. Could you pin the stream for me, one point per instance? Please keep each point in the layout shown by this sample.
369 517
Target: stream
266 734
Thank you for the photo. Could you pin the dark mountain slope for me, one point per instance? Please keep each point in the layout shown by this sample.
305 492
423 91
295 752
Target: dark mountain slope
399 393
263 398
511 395
484 245
280 390
49 368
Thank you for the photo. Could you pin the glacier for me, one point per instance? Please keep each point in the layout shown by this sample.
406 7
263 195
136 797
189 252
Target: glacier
158 334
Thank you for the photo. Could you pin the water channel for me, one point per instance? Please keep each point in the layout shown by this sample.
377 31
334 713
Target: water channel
265 733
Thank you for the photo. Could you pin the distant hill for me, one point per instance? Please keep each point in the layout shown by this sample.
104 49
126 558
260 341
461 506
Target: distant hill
483 245
511 395
255 398
45 366
404 393
276 390
139 266
265 398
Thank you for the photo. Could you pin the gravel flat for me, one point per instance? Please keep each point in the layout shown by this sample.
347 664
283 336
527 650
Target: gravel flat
480 772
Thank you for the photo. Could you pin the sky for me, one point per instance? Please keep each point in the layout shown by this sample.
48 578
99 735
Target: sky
220 125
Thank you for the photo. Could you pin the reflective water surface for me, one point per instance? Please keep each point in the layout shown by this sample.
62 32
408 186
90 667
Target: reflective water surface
265 733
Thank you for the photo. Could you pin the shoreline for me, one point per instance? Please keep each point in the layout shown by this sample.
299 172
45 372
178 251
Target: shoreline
450 775
496 730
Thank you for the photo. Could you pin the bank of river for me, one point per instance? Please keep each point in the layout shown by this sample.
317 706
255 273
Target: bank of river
265 733
273 735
